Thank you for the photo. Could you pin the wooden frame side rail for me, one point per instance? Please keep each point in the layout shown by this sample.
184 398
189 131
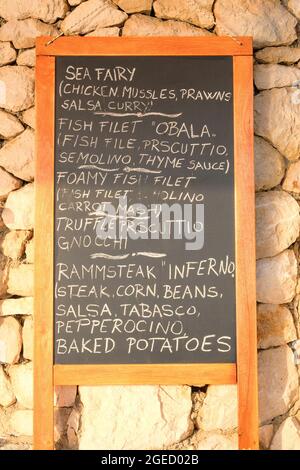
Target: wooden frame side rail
44 231
244 373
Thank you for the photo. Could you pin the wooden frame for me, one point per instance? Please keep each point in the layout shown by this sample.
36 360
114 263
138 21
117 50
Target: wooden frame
244 373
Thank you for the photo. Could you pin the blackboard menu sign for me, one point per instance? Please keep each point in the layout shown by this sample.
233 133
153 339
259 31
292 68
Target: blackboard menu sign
144 210
145 254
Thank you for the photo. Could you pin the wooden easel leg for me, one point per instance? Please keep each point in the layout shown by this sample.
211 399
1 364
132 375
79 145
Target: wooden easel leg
43 421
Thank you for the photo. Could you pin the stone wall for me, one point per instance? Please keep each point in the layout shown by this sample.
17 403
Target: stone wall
180 417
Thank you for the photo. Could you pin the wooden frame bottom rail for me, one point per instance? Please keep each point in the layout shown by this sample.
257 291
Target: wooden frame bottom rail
144 374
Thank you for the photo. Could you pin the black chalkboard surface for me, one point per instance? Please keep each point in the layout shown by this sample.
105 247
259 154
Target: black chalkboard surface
156 131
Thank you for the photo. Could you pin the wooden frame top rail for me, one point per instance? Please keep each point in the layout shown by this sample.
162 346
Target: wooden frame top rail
153 46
